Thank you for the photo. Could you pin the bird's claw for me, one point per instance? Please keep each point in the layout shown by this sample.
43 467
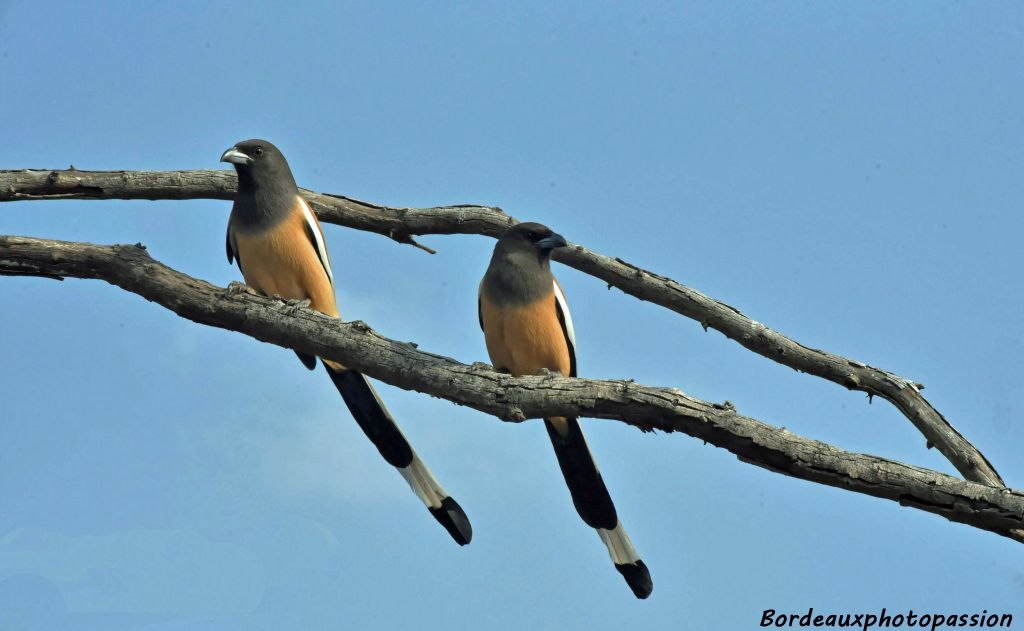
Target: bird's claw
235 288
298 302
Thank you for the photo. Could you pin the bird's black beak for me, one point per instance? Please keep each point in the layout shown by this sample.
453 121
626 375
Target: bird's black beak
552 241
234 156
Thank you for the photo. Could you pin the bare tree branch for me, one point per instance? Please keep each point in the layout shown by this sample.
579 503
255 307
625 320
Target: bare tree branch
401 224
291 325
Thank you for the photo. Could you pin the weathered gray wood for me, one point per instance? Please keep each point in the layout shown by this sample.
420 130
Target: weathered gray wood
291 325
401 224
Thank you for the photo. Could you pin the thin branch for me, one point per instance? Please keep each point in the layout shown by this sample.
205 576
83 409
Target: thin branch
401 224
291 325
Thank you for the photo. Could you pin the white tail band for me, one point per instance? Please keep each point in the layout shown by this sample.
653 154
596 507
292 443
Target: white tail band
620 547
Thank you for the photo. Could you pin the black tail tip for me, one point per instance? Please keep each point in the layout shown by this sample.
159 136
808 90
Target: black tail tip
637 577
453 518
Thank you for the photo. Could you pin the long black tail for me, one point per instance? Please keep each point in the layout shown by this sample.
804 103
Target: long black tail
378 425
593 502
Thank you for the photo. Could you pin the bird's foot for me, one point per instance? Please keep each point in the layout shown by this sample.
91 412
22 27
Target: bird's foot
296 302
235 288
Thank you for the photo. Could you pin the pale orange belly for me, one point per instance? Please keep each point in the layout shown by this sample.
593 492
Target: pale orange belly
283 262
523 340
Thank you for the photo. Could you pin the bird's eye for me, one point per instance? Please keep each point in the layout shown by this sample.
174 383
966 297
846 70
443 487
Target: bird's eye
258 151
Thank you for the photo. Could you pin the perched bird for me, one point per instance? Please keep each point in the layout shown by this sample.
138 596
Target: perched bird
527 328
280 249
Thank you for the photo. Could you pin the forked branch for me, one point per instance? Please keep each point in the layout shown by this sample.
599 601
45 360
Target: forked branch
402 224
291 325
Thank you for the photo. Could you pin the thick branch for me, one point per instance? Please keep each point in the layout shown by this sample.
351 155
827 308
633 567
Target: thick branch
401 224
515 399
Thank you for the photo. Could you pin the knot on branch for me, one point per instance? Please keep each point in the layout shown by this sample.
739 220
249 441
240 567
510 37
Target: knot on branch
726 406
360 326
136 253
515 415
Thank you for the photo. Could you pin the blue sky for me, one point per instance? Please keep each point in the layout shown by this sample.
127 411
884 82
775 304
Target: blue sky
848 173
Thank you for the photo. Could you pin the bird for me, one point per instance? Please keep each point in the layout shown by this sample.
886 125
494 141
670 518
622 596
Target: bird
527 329
280 249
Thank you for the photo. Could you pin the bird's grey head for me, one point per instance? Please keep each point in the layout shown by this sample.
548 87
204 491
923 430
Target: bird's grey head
266 186
530 237
520 269
259 163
